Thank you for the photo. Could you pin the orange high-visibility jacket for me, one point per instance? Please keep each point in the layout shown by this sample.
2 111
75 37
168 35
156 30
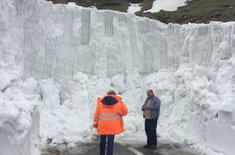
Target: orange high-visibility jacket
109 112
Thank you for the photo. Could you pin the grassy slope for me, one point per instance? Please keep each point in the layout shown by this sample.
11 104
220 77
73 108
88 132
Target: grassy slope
197 11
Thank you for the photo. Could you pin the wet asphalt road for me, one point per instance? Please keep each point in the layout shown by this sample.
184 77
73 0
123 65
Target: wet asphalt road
164 148
83 149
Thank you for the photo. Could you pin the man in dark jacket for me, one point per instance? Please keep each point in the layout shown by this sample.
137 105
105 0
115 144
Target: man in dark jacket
151 109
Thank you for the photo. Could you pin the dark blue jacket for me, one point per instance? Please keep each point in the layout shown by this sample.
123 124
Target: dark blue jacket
155 107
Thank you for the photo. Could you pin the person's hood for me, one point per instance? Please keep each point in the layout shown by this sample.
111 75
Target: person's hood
109 100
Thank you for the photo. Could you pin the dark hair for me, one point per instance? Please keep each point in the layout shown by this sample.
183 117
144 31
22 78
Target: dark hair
111 92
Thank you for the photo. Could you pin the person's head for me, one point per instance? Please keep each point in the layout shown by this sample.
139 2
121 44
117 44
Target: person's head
111 92
150 93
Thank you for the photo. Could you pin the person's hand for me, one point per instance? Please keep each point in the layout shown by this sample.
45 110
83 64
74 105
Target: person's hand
95 125
146 108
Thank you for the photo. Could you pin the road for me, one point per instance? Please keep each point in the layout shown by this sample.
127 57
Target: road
164 148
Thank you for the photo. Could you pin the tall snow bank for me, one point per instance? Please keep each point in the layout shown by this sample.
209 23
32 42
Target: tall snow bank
224 126
73 39
19 115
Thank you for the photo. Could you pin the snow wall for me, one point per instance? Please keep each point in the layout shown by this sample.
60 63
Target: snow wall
19 99
77 54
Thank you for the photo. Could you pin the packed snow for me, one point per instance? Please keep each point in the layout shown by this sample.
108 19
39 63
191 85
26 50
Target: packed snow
167 5
62 57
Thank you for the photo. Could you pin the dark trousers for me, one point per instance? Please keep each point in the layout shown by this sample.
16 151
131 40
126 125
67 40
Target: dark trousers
151 131
110 144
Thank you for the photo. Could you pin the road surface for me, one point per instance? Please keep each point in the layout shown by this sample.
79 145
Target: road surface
164 148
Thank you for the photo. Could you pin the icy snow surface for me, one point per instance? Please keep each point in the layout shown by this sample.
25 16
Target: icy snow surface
77 54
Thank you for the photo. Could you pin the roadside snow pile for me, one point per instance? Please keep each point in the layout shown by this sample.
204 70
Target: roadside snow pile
66 113
167 5
69 105
193 106
198 105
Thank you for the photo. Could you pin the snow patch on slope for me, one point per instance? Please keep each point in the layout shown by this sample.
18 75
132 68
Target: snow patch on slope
134 8
167 5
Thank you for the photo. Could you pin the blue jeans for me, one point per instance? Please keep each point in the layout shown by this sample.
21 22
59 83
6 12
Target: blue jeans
110 144
151 131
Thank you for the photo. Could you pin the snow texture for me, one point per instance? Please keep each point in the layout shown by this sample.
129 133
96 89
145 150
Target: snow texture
77 54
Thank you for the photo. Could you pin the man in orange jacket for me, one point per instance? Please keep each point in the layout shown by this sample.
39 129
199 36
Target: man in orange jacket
108 120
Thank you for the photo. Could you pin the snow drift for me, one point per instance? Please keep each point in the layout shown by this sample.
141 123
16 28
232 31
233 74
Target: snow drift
77 54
